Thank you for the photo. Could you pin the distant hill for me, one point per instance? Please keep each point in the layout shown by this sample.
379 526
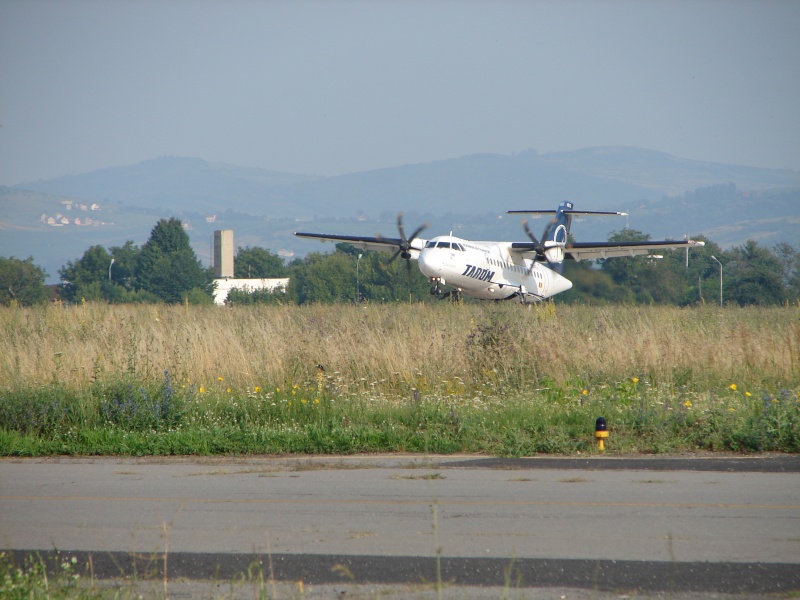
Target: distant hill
176 184
665 174
592 178
666 196
725 214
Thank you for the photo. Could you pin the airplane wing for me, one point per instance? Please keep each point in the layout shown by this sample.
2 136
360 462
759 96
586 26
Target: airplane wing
569 212
379 243
597 250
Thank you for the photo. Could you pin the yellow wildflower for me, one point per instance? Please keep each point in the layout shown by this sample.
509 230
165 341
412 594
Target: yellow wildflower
220 378
635 380
202 390
316 400
688 403
303 401
277 390
733 387
584 392
748 394
258 389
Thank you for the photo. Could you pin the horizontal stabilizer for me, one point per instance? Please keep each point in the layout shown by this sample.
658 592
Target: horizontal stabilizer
569 212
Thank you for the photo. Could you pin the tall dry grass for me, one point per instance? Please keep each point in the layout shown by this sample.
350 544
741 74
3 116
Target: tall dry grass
386 346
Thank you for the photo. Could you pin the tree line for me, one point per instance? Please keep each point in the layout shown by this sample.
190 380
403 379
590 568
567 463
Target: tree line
166 269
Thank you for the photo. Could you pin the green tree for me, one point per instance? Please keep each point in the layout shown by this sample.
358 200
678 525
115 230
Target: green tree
101 274
754 276
22 282
789 259
676 280
126 260
380 278
85 277
340 276
258 263
323 278
593 286
167 266
397 280
637 273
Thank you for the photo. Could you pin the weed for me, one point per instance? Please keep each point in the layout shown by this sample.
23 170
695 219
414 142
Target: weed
415 378
34 578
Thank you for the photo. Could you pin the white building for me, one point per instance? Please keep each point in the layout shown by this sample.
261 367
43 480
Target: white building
223 270
223 286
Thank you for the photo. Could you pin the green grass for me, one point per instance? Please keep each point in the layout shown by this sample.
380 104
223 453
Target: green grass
121 418
33 578
492 378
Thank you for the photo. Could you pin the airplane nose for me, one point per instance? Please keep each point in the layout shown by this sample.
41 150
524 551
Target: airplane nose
559 284
426 264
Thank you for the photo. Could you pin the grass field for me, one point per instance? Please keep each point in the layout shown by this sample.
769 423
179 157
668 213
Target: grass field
486 377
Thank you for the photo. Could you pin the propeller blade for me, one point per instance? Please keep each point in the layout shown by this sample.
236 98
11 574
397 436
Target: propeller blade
547 229
419 230
529 232
400 226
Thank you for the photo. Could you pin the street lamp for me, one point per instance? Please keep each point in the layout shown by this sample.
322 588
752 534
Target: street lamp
358 285
720 280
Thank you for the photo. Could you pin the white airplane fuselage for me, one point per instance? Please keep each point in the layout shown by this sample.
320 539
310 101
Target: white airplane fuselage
496 270
488 270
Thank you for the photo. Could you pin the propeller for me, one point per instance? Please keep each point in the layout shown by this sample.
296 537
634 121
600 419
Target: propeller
537 244
404 247
540 247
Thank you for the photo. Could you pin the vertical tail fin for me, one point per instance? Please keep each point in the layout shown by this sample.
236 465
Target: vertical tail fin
556 235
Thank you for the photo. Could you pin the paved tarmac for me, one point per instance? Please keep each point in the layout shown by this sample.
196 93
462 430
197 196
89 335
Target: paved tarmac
598 525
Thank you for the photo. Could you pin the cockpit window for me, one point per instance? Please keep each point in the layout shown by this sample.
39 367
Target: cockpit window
448 245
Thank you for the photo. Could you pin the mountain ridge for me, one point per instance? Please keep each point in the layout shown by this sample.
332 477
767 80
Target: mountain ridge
665 196
592 177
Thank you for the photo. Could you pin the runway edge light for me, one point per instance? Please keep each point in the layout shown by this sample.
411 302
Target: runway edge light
600 432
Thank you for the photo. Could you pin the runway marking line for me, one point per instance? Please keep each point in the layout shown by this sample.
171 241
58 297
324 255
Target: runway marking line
399 502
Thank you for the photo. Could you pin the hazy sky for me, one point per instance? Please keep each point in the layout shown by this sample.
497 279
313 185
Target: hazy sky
335 87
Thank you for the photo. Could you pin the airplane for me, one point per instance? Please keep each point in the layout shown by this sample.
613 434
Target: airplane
488 270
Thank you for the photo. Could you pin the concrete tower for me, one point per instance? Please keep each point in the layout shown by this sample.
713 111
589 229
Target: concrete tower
223 253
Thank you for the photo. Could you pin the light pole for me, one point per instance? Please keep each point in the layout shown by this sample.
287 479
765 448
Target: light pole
358 284
720 280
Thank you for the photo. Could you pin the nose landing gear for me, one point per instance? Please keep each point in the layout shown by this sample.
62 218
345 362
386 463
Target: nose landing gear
437 290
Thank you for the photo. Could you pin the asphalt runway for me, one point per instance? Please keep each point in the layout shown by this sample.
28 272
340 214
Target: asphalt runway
703 524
